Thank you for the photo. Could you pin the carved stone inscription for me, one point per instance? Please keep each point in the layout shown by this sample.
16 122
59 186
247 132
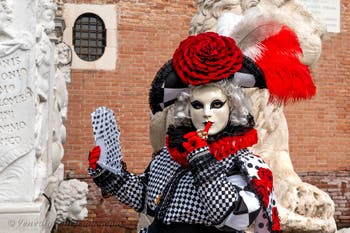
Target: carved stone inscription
16 108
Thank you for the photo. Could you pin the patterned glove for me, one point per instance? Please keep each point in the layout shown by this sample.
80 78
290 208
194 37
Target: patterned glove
194 145
94 156
106 135
193 142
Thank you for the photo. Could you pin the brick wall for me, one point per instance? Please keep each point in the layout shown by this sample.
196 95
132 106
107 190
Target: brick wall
319 129
148 33
337 185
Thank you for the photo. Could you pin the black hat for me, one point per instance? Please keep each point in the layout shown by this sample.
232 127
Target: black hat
166 85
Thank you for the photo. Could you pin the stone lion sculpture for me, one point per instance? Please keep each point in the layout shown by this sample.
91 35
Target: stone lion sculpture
70 201
302 207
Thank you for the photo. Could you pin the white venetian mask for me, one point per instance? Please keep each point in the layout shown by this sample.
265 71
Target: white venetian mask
209 103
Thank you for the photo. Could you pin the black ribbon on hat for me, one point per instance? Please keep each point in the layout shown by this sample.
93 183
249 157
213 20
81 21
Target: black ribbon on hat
165 88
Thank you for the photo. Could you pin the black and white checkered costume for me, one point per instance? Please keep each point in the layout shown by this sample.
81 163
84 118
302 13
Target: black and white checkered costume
208 192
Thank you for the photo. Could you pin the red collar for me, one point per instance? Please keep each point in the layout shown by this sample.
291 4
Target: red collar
229 145
221 148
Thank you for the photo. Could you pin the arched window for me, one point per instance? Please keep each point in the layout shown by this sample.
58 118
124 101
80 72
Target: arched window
89 37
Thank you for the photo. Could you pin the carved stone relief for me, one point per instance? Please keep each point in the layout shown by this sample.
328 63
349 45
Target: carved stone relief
63 59
16 109
34 72
5 21
59 11
45 13
70 201
62 78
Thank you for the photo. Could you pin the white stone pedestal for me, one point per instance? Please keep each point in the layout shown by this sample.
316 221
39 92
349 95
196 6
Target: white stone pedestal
27 217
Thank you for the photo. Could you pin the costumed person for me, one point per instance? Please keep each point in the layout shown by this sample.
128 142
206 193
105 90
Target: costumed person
204 179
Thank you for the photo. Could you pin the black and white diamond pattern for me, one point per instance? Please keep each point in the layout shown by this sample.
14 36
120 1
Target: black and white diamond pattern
214 202
143 230
163 167
206 204
187 205
198 152
127 187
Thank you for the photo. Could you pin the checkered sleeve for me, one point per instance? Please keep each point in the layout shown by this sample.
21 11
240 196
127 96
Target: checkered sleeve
229 205
128 188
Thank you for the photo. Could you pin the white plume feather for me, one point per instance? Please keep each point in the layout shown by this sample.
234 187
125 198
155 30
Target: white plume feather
227 22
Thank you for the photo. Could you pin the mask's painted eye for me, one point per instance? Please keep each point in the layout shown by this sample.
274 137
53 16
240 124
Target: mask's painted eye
217 104
196 104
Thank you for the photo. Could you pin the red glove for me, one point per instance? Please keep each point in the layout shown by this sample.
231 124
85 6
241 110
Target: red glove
193 142
94 155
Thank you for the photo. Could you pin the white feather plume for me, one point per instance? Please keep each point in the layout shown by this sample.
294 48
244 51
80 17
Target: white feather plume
227 22
254 28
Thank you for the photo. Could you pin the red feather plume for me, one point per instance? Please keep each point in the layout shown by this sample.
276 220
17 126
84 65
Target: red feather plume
286 77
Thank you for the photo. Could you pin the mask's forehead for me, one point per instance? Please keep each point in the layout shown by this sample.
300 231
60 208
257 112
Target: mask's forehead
207 93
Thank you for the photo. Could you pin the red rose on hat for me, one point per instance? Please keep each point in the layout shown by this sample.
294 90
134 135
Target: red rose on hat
206 57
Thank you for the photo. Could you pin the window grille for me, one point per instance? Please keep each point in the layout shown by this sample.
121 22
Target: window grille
89 37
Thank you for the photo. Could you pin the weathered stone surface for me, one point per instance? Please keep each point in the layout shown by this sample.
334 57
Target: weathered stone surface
34 72
344 230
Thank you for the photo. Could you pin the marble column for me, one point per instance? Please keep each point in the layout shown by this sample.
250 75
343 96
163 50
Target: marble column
34 72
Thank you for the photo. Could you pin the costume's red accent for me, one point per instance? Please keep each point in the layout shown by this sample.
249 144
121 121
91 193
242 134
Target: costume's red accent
221 148
263 185
276 228
286 77
229 145
180 157
94 155
193 141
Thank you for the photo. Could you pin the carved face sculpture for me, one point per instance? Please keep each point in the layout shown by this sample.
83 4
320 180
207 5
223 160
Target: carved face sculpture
47 19
46 15
209 103
63 54
77 210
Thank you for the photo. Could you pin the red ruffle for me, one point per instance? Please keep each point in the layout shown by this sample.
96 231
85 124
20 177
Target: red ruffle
221 148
